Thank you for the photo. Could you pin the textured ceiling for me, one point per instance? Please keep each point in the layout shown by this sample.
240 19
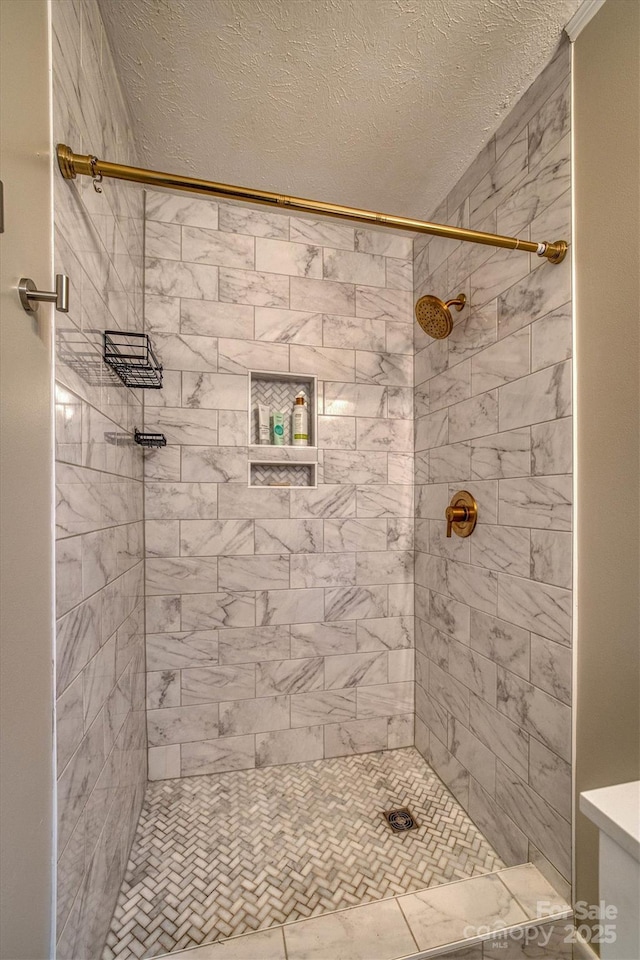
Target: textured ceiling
374 103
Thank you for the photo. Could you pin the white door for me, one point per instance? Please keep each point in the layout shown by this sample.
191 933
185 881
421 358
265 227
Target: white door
26 477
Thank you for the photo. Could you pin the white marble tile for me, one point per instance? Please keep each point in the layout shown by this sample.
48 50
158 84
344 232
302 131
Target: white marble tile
323 362
385 243
309 294
241 717
176 279
326 233
399 274
293 259
501 455
503 737
551 447
253 644
551 667
164 762
550 776
384 700
202 538
400 530
552 338
355 603
163 614
505 361
354 399
163 689
221 249
288 326
239 502
172 651
214 391
401 666
537 190
450 462
545 395
355 736
449 616
371 932
353 267
502 832
182 724
289 676
456 911
162 240
232 427
384 567
351 535
239 356
536 295
345 467
355 669
287 746
234 218
162 538
451 386
540 607
385 500
475 331
289 606
217 756
551 557
202 611
430 360
389 435
178 208
502 548
388 369
323 639
216 684
550 832
209 318
288 536
320 707
265 944
476 417
536 712
472 754
503 642
336 433
69 723
169 501
323 570
400 403
328 500
253 287
354 333
544 502
450 692
380 304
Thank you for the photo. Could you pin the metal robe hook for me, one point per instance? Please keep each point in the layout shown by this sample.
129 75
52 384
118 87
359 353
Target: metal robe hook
30 296
97 177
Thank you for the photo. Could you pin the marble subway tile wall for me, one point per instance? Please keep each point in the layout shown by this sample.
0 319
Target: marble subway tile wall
100 679
279 621
493 415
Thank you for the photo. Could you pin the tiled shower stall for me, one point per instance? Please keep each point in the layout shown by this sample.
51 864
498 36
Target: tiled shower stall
280 620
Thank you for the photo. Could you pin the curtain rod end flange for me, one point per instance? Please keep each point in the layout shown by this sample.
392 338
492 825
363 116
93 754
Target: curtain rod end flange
65 161
556 252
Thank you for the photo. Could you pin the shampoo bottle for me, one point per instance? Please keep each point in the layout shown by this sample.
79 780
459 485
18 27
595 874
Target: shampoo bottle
300 418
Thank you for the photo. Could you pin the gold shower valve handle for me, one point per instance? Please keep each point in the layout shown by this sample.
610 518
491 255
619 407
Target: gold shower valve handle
461 514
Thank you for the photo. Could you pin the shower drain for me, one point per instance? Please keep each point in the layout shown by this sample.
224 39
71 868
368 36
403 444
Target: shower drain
400 820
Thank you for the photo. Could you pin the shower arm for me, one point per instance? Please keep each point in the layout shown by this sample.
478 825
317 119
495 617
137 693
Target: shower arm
85 165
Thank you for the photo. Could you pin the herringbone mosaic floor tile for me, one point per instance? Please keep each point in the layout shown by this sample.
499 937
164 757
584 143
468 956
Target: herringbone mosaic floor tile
217 856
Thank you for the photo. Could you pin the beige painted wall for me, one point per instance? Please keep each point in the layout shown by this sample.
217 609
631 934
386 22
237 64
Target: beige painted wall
26 638
607 297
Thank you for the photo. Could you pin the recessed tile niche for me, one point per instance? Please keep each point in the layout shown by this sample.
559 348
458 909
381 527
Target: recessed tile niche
274 464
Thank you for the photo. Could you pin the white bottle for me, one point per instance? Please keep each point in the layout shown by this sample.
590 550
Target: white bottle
300 418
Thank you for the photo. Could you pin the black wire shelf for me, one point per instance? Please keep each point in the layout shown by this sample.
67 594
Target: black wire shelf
150 439
131 356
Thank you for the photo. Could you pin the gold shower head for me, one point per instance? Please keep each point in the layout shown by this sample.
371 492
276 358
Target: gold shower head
434 315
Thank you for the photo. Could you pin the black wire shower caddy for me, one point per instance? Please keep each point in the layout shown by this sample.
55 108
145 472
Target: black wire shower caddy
133 359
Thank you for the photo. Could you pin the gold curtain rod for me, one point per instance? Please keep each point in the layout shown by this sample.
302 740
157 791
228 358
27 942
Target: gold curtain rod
73 164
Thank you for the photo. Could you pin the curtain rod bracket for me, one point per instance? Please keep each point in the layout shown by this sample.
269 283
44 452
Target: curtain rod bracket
75 164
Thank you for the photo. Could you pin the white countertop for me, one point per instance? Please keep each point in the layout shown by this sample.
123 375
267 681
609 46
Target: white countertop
616 811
